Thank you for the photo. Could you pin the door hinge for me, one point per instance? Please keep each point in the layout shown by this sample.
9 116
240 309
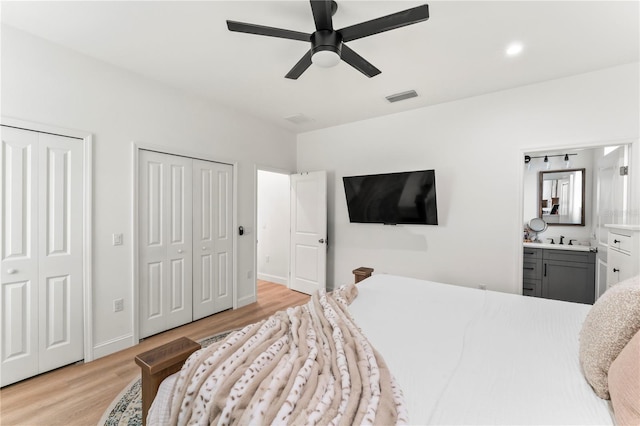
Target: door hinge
624 170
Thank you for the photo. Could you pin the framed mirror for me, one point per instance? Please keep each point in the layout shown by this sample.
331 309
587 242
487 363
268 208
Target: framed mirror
561 197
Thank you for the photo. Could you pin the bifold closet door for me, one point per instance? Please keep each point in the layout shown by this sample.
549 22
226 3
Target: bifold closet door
165 236
42 244
212 238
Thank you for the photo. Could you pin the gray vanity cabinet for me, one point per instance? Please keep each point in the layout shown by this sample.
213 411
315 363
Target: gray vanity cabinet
532 272
559 274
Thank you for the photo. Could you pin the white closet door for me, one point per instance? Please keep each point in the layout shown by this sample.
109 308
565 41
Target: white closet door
165 212
19 294
41 297
60 251
212 238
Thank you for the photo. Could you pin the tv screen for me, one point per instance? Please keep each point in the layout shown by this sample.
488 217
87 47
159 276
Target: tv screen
392 198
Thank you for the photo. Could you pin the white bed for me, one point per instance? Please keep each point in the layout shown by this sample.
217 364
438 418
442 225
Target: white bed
468 356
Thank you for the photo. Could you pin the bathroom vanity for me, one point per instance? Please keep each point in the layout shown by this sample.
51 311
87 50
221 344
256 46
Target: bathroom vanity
560 272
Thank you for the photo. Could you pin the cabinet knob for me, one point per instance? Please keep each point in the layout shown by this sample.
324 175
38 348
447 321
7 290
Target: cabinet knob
616 241
616 270
179 250
11 271
321 240
204 247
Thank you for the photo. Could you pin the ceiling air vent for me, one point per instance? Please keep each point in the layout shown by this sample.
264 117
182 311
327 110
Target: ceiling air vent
298 119
402 96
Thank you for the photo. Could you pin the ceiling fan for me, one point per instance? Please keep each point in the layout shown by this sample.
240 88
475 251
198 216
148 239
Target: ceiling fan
328 45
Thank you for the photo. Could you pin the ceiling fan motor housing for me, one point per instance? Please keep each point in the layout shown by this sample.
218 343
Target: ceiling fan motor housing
326 40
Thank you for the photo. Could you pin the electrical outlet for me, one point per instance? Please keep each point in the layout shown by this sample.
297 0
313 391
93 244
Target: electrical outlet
118 305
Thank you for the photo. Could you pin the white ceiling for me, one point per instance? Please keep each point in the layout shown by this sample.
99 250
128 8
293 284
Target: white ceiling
459 52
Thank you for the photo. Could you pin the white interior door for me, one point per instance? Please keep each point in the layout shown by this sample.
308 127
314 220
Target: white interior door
308 231
612 192
19 317
60 251
42 264
165 242
612 196
212 238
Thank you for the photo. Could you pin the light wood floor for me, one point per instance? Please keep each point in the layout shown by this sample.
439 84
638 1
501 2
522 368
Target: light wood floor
79 394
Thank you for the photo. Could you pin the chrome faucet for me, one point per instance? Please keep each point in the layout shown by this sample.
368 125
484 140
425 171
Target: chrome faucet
561 239
571 242
552 242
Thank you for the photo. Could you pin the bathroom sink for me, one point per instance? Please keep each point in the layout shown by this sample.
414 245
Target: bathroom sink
557 246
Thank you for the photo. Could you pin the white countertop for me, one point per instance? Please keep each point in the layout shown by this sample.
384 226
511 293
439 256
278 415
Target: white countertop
625 227
557 246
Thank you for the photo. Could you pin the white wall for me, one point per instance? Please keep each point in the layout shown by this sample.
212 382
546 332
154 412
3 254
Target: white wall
45 83
476 147
273 227
584 159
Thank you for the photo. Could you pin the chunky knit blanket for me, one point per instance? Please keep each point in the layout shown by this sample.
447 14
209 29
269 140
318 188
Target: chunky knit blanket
307 365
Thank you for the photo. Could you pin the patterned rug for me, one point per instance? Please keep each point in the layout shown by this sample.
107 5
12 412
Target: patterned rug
126 408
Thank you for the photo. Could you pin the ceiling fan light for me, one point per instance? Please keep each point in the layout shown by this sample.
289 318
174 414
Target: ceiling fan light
325 58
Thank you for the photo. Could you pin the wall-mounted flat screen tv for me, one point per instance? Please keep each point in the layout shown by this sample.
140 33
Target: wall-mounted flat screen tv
392 198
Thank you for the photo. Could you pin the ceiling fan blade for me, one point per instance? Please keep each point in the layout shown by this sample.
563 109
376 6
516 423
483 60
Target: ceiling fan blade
242 27
322 14
300 67
386 23
358 62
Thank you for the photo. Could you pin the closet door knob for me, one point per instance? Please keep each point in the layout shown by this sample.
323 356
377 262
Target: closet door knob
204 248
616 270
11 271
179 250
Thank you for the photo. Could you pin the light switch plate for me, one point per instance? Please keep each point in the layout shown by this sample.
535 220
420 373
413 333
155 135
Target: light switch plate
117 239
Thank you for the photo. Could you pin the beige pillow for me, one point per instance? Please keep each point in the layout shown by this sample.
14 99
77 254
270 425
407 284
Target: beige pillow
624 384
609 325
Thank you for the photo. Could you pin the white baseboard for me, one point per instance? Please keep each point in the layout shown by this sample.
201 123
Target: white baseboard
112 346
272 278
246 300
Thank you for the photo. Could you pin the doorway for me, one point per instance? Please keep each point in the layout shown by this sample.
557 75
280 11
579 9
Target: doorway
607 195
291 223
273 226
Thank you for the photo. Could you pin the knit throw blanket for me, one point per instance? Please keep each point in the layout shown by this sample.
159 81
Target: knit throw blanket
307 365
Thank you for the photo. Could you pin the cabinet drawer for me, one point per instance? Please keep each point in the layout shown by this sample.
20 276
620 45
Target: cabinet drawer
569 256
620 241
531 288
532 253
531 269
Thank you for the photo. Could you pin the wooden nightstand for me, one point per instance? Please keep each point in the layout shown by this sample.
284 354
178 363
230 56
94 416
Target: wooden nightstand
361 273
159 363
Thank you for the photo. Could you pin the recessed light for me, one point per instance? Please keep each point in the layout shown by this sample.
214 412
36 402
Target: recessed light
514 49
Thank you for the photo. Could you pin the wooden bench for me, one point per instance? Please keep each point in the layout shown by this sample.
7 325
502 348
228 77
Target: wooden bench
361 273
159 363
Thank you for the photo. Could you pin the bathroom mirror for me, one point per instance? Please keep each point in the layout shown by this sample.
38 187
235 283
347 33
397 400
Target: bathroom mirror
561 197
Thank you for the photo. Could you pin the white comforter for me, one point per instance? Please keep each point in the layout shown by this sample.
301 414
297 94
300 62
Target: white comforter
467 356
473 357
